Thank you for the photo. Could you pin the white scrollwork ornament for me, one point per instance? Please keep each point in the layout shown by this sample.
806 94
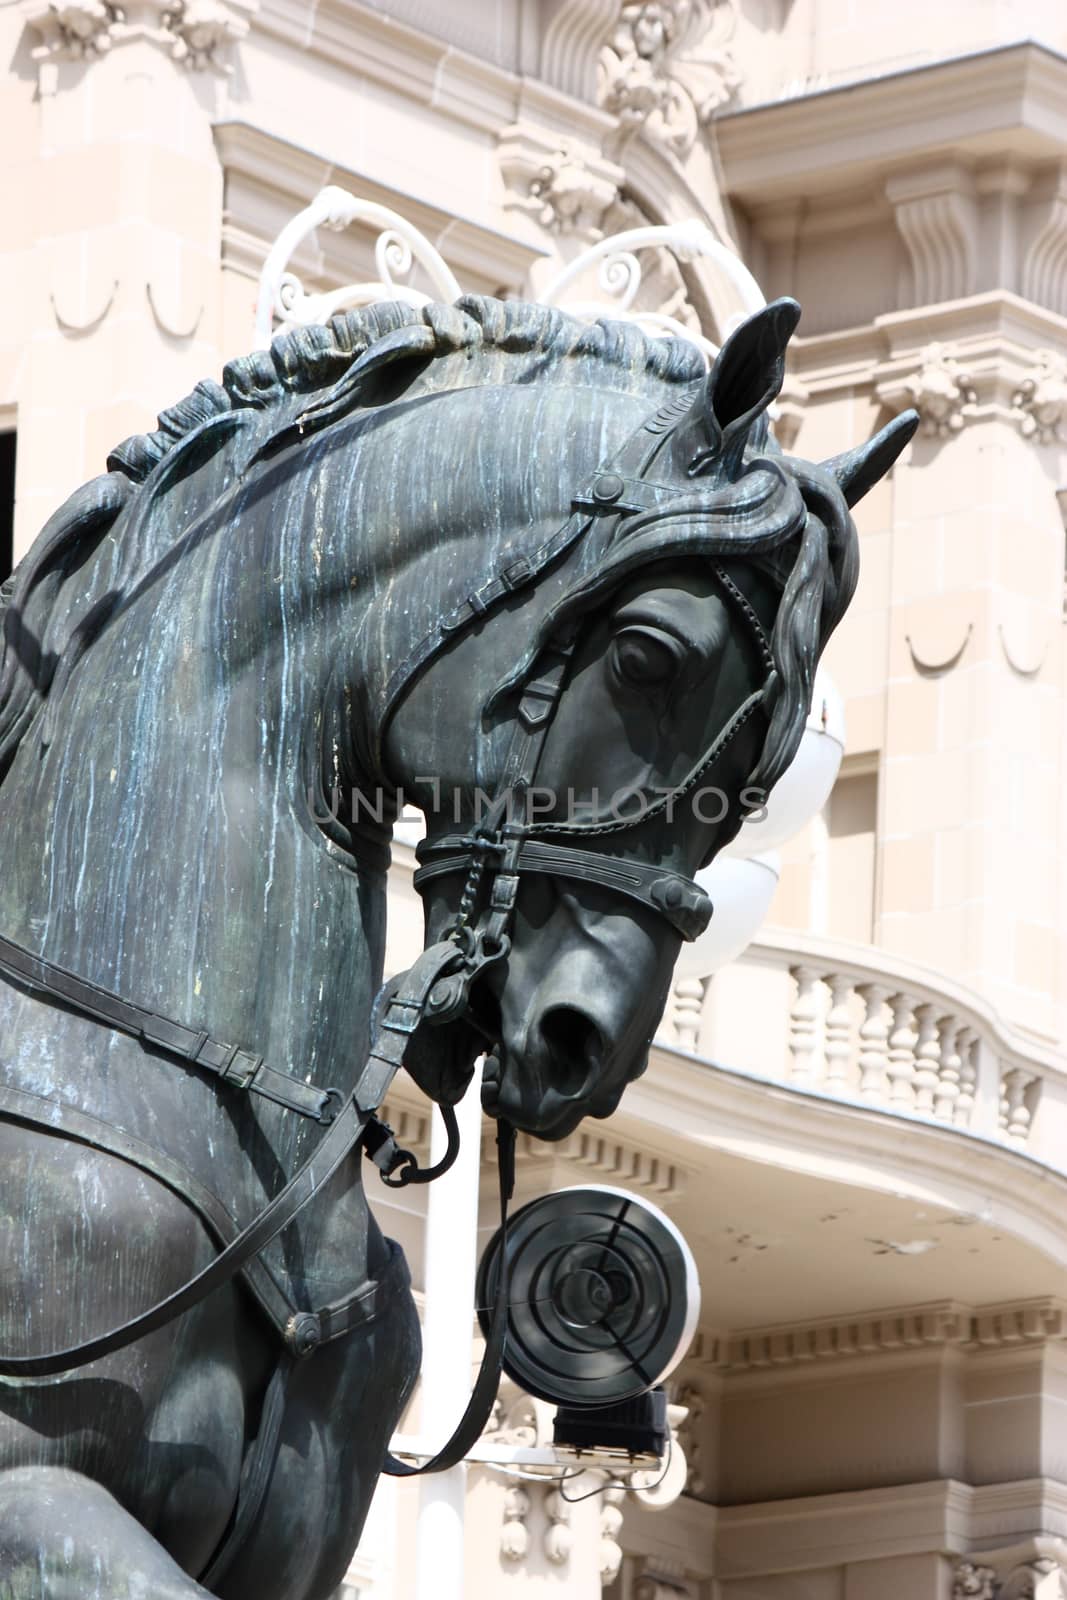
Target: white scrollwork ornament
619 277
398 249
401 250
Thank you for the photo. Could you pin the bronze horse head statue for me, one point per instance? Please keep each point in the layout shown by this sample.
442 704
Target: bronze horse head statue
555 583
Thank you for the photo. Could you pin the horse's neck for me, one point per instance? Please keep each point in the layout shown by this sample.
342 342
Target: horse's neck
162 846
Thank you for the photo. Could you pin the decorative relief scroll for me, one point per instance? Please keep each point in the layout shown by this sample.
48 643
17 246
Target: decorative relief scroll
667 71
201 32
78 32
568 189
1040 402
1033 1570
198 33
971 1582
940 391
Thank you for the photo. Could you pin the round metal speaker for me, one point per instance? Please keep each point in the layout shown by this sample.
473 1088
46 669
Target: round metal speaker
603 1298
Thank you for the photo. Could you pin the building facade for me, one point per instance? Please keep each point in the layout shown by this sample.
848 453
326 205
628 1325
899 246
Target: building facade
861 1124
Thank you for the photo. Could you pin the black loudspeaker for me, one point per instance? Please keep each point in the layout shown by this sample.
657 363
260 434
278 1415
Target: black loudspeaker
603 1298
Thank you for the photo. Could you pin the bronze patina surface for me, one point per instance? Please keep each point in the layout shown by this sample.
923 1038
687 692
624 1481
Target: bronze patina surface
463 552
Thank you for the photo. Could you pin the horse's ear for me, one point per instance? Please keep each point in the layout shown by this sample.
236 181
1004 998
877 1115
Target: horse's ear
860 469
747 374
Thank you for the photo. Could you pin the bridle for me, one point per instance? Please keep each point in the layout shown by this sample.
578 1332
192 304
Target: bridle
506 843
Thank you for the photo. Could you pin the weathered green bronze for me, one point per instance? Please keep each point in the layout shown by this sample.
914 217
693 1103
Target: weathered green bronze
463 552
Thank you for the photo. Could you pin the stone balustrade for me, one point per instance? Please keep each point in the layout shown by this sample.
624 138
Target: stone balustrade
859 1024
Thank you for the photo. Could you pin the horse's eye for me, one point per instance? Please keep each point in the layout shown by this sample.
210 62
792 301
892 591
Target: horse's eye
645 658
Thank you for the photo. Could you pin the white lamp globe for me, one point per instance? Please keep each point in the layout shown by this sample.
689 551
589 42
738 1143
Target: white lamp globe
741 893
804 787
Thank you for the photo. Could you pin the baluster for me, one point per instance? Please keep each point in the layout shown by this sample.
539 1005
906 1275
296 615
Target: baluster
1015 1114
967 1047
949 1086
927 1059
874 1031
688 1006
804 1026
838 1032
901 1069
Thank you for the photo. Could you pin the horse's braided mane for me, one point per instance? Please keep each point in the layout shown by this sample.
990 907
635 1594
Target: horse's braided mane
44 630
314 357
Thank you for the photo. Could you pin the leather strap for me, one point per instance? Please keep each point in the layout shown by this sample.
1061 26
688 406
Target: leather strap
471 1425
257 1470
66 1122
235 1066
338 1143
672 895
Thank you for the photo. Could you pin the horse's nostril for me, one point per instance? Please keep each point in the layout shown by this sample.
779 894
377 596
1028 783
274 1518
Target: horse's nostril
574 1045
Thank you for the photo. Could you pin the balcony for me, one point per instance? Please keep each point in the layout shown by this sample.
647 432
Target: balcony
859 1026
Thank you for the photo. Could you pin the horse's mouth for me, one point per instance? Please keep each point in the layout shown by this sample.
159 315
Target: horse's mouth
554 1081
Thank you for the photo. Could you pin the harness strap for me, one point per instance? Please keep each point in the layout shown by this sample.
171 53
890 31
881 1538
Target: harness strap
338 1143
471 1425
671 894
258 1470
235 1066
65 1121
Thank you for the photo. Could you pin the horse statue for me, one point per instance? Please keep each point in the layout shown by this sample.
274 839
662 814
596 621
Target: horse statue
552 582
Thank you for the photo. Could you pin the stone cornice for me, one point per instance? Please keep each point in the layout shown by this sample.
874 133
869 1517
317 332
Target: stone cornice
373 45
268 179
1013 98
993 334
835 1529
907 1330
829 1531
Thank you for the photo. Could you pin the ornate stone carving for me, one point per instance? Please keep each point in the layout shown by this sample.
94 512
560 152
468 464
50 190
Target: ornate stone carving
667 71
1019 1093
78 32
571 195
692 1399
196 32
514 1534
1040 401
610 1528
940 391
573 30
201 31
1035 1569
1045 263
936 213
972 1582
1043 1579
558 1536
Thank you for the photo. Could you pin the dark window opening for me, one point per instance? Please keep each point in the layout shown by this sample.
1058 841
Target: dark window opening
7 504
